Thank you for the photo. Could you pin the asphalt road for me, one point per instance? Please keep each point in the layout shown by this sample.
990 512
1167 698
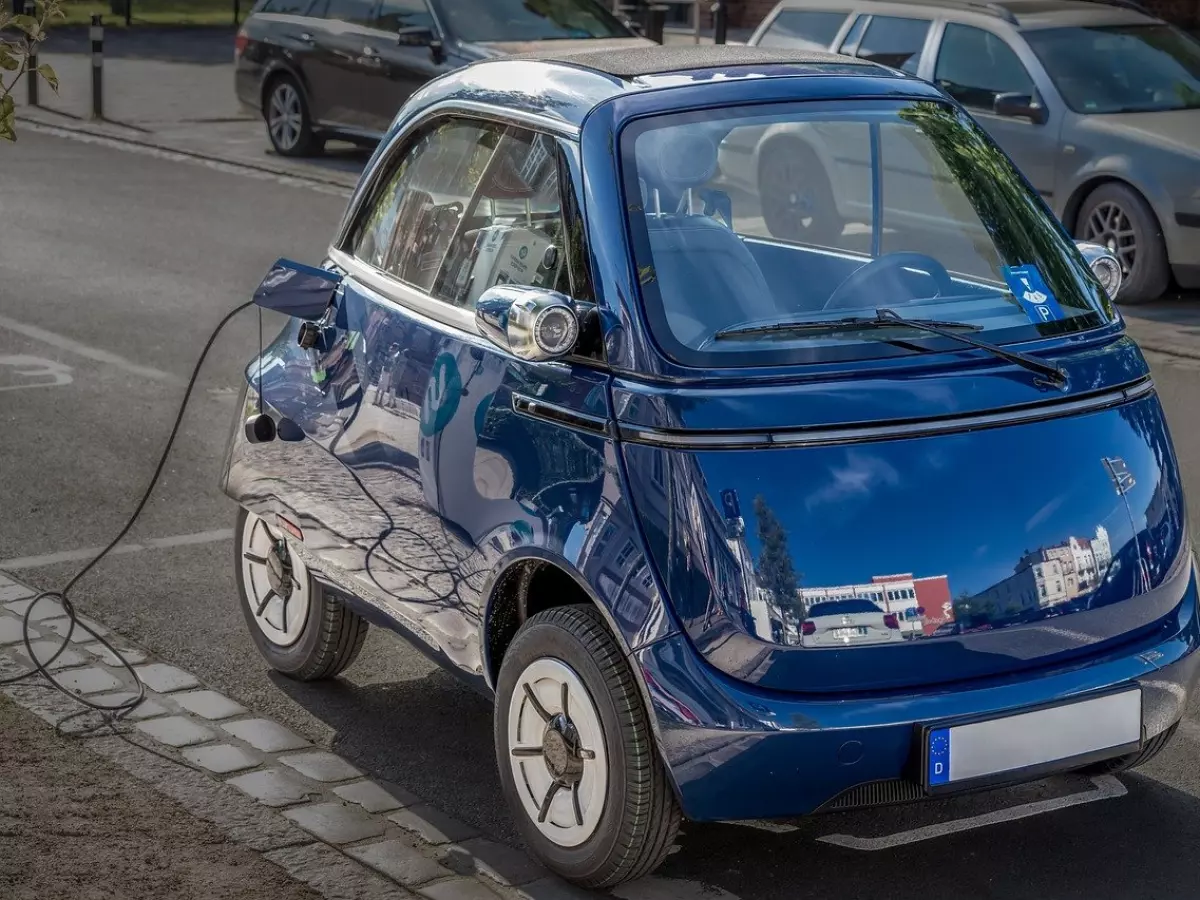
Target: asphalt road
115 266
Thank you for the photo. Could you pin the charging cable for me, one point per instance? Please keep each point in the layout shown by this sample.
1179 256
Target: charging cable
111 712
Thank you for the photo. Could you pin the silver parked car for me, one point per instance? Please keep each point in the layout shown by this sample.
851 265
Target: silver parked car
1098 103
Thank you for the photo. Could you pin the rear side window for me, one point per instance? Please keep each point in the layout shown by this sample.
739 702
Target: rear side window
803 29
894 42
396 14
974 67
356 11
285 7
842 608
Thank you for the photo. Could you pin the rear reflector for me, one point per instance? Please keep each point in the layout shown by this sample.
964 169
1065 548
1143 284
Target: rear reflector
290 527
890 620
239 43
808 627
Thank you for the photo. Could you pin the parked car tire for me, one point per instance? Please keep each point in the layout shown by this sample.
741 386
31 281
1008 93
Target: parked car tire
590 772
289 125
1153 747
1118 217
308 633
796 196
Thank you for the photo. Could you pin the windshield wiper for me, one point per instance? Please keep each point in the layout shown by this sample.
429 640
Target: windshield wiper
889 318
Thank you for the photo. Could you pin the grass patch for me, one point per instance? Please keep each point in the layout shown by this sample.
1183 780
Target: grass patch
155 12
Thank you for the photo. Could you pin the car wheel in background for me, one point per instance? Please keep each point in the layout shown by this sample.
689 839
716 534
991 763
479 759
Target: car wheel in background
1117 217
576 752
1153 747
796 196
289 126
301 629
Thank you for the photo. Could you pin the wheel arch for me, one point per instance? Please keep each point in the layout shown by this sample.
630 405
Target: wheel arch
276 69
1075 201
513 593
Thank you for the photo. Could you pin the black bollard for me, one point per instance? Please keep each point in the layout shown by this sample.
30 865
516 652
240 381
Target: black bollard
656 20
97 35
720 11
31 75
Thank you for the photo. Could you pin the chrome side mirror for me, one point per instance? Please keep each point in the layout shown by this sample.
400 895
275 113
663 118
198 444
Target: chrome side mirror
1104 265
531 323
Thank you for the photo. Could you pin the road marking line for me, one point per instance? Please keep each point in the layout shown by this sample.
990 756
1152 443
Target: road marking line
761 825
93 353
36 367
1107 788
178 540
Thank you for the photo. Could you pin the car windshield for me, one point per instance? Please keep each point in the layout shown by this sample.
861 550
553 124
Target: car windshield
531 20
1121 68
801 214
842 608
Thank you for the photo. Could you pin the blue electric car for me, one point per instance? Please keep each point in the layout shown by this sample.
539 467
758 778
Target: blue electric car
730 526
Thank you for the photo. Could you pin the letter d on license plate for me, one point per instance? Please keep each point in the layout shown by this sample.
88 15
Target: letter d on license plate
1024 743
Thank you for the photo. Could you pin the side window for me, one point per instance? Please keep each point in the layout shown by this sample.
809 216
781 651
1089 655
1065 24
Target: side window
285 7
894 42
974 66
471 205
803 29
396 14
357 12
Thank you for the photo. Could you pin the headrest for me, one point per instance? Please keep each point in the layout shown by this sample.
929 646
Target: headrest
677 158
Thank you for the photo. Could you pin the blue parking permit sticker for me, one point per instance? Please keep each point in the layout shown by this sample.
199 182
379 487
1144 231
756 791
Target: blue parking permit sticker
939 756
1031 292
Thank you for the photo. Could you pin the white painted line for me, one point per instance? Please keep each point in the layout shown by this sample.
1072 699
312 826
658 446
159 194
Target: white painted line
178 540
36 367
1107 788
761 825
94 353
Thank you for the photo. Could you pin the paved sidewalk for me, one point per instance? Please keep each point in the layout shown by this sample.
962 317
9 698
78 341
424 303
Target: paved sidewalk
73 826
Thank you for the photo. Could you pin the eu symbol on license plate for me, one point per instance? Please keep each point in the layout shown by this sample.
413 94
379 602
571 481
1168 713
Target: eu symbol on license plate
939 756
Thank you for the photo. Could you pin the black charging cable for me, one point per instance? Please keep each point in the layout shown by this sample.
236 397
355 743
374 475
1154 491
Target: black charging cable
111 712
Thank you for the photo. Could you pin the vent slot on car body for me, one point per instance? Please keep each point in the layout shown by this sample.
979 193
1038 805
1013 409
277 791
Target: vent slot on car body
875 793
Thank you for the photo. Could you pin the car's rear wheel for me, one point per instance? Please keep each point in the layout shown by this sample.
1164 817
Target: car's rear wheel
301 629
289 125
795 194
1153 747
576 753
1116 216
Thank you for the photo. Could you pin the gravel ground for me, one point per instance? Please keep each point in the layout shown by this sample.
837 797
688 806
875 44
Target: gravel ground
75 827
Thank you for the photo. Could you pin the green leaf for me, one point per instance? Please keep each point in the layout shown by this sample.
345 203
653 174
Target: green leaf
7 119
27 24
48 75
8 62
7 106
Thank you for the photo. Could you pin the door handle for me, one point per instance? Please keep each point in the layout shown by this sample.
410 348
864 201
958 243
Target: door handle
370 56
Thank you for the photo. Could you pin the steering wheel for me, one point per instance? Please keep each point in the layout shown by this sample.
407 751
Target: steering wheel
882 265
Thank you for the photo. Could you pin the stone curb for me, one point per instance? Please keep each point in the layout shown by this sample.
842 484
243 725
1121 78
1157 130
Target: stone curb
64 125
307 810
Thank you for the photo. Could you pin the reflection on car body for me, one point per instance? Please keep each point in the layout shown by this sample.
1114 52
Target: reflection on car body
525 450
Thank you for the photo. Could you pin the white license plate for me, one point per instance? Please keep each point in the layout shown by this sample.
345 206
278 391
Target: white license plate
849 632
1034 739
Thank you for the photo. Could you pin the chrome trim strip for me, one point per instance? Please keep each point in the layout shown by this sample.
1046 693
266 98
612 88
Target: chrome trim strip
408 299
470 109
561 415
854 434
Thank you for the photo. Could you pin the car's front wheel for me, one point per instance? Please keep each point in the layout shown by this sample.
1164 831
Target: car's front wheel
289 125
1117 217
576 753
301 629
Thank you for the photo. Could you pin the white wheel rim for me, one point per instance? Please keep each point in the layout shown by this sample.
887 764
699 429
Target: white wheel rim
285 117
557 752
276 582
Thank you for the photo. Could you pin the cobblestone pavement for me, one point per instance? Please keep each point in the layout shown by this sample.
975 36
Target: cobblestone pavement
264 787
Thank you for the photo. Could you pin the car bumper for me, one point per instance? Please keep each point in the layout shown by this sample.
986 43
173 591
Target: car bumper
247 85
736 752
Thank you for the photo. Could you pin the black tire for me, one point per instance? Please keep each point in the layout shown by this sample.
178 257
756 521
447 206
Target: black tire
302 141
640 817
1153 747
332 637
1150 273
795 193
